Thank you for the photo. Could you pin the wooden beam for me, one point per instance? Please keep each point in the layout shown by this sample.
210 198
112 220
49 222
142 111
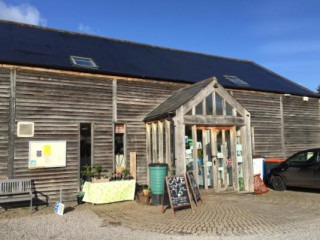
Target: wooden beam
114 101
214 106
154 143
253 145
12 117
199 97
168 142
160 141
195 153
205 156
283 146
92 143
214 120
215 163
133 164
180 161
148 149
92 75
247 154
225 160
233 143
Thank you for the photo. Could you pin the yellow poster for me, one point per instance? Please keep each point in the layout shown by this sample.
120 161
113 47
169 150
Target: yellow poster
47 150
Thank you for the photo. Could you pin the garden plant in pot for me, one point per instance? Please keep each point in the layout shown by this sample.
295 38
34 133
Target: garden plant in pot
87 172
146 191
98 170
125 174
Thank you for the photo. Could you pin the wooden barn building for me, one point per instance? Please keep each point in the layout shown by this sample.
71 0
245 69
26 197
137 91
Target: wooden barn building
69 99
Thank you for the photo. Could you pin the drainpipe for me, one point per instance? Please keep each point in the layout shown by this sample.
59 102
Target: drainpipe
172 136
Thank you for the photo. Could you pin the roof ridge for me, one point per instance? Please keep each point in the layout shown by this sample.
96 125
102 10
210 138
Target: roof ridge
121 40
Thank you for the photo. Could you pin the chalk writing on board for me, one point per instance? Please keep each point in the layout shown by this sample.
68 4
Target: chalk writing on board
194 187
178 191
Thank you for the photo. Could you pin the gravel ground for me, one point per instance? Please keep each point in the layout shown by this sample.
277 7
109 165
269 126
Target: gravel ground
85 224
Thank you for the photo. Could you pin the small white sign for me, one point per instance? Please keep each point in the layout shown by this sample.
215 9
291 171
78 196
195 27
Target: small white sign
59 208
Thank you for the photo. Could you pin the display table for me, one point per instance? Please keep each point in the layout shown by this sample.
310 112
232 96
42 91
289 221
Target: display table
108 192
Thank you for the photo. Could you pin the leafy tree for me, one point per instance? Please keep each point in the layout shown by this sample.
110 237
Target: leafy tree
318 89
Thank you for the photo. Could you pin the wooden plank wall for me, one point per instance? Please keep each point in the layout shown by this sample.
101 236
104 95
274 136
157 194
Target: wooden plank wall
266 120
301 124
4 119
57 103
135 100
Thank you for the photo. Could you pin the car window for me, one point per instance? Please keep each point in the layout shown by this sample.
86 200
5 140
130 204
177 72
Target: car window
303 157
318 157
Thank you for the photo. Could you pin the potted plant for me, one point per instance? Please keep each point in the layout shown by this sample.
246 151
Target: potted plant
146 191
98 170
87 172
125 173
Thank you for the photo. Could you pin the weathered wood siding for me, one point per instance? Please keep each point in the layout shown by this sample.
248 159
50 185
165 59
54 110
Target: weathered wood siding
301 124
134 100
266 120
4 119
57 103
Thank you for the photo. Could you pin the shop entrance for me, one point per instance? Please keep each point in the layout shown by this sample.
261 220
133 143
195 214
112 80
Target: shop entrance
218 149
85 135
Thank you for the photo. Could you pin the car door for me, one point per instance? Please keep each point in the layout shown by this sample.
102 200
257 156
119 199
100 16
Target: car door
300 172
317 171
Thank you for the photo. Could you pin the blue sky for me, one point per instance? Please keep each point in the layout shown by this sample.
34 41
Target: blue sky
283 36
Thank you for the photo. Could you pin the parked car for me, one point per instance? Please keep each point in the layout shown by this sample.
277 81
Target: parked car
300 170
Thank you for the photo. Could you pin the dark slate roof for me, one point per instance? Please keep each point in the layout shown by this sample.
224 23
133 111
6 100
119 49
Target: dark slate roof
42 47
176 100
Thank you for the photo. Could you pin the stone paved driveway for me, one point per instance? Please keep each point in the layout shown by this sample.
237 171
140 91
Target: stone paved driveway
228 214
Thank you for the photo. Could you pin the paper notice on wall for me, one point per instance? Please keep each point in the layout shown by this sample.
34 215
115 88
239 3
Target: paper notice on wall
47 154
47 150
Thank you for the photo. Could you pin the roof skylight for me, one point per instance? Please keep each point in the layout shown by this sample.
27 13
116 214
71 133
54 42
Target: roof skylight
83 62
236 80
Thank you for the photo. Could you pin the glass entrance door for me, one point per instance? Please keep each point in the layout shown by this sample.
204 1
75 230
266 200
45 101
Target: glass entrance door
214 163
224 158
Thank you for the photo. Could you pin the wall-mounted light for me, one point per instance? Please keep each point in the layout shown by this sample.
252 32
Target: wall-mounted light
306 99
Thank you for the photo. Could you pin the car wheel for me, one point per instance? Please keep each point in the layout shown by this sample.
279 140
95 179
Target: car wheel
278 184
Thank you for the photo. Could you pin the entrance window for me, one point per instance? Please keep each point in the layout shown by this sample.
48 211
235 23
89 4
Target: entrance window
199 109
209 105
119 146
189 148
229 159
200 158
228 110
85 146
219 105
239 159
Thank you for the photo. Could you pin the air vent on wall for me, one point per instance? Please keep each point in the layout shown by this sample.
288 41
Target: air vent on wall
25 129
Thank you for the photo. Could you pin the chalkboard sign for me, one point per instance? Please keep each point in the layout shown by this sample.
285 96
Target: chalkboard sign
176 193
194 187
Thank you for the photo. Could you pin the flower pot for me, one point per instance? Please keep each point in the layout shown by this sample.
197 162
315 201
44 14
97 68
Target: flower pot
79 198
146 192
140 198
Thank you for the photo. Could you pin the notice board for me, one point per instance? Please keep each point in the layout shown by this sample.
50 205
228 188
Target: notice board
194 187
176 193
47 154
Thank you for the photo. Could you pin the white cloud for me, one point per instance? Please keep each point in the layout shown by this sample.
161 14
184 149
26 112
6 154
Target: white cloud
25 13
86 29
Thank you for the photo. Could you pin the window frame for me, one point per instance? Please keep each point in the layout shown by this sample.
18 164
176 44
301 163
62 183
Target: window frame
74 62
236 80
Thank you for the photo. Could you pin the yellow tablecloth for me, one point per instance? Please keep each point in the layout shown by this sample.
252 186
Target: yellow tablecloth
107 192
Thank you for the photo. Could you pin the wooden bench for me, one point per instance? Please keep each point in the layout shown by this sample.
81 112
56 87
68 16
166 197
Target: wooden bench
16 190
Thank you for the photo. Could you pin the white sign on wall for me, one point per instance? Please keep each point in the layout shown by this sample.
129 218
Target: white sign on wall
47 154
